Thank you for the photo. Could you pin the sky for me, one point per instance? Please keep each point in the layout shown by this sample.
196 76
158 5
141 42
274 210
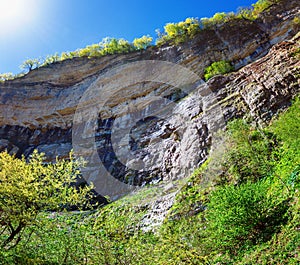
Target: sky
36 28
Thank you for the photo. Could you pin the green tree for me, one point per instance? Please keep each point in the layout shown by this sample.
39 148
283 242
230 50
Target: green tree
28 189
245 13
114 46
6 76
173 30
179 32
68 55
219 18
216 20
30 64
65 56
260 6
51 59
143 42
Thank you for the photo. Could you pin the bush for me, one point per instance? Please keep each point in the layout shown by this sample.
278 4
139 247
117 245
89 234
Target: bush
288 132
216 20
6 76
51 59
249 155
242 216
245 13
260 6
216 68
114 46
296 21
142 43
179 32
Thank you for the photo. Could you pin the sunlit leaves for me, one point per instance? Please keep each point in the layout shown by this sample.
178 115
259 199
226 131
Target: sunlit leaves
217 68
174 33
6 76
30 64
143 42
179 32
28 188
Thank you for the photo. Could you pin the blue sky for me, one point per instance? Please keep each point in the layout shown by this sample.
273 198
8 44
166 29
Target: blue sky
36 28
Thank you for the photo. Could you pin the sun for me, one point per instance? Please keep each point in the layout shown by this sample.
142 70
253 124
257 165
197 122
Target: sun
16 15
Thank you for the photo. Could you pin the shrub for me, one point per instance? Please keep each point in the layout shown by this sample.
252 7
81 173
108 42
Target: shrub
179 32
296 21
216 68
288 132
6 76
51 59
216 20
242 216
249 155
143 42
245 13
262 5
114 46
66 55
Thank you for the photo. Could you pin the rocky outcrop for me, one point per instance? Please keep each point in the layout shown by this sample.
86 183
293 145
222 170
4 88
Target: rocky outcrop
258 91
146 116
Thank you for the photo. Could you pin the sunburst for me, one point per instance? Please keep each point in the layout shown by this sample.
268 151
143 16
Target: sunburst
16 15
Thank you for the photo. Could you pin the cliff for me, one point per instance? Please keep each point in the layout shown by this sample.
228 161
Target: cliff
147 116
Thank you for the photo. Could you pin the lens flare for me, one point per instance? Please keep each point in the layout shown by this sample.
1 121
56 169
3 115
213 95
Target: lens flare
16 15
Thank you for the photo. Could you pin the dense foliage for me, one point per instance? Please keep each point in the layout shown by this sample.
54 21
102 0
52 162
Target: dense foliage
180 32
143 42
248 212
217 68
29 188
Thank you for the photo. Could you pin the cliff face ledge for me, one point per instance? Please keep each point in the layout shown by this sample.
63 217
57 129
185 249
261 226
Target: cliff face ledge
37 111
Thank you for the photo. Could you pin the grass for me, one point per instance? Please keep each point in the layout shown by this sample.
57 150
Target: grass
249 213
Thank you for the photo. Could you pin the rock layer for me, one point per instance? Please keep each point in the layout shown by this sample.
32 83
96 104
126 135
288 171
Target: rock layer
175 128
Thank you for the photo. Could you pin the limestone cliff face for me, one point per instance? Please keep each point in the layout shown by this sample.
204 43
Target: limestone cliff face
41 109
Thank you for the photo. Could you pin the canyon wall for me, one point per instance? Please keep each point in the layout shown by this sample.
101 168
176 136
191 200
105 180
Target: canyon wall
147 116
